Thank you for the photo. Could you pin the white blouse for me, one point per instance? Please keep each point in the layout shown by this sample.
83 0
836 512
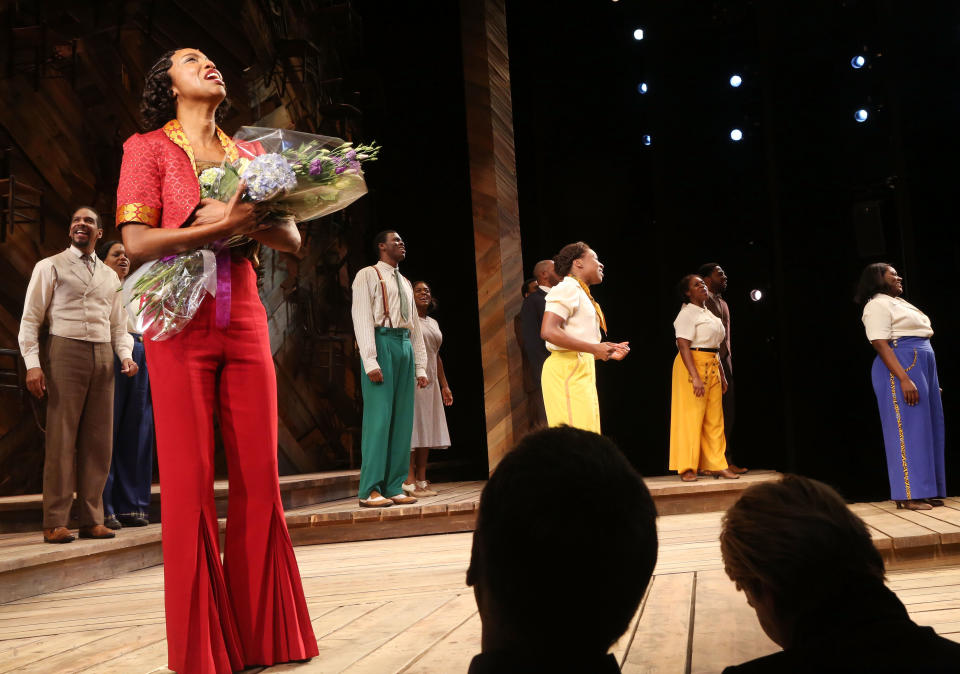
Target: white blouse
700 326
569 302
886 317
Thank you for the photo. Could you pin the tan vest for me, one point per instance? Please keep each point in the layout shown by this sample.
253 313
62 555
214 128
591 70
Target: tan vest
81 305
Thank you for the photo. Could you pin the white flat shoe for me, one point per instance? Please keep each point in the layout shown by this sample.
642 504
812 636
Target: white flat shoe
402 499
423 489
376 502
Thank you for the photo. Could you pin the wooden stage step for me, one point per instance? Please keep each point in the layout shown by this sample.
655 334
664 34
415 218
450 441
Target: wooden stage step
906 539
317 511
23 513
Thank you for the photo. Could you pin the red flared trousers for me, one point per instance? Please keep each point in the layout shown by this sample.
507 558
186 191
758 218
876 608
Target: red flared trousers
251 610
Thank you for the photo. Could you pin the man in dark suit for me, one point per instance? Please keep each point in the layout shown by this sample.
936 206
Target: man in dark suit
535 351
716 280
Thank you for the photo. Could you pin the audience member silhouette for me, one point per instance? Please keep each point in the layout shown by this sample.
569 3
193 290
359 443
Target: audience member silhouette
556 589
816 581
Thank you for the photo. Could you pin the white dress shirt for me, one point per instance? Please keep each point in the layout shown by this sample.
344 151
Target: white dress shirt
125 292
75 304
886 317
368 314
568 301
700 326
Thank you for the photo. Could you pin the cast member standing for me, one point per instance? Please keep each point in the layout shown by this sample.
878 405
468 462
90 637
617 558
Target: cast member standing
429 419
716 280
78 297
126 496
531 312
696 410
249 610
572 322
395 362
907 388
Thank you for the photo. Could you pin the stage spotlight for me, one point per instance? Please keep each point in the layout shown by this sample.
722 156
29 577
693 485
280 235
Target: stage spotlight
756 295
861 115
858 62
736 135
638 34
642 87
736 81
646 139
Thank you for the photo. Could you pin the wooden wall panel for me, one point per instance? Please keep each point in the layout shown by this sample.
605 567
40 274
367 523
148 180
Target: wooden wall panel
496 222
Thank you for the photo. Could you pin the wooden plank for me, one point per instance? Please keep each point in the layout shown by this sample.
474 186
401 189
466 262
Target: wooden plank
880 540
344 647
620 647
949 530
331 621
726 629
947 577
453 653
66 654
496 222
905 534
149 658
401 652
659 644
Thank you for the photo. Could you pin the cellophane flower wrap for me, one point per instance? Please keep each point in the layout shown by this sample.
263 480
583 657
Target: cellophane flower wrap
300 175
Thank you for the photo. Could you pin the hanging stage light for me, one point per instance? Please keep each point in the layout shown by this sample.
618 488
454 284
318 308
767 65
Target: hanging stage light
861 115
858 62
642 87
735 81
756 295
638 34
736 135
646 139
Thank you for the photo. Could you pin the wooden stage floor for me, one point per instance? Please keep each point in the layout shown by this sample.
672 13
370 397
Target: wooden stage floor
401 605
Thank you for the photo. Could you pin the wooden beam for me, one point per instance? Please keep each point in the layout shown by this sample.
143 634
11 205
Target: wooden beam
496 222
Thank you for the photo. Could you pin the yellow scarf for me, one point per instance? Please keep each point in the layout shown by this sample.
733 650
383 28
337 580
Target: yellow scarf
600 316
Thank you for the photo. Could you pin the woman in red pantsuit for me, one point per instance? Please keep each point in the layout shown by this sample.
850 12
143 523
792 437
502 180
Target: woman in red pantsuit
251 610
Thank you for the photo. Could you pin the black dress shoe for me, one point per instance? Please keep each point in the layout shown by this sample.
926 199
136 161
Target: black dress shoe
133 520
111 522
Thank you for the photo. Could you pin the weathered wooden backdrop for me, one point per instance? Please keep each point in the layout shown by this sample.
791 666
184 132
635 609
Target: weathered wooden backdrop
496 219
71 74
70 84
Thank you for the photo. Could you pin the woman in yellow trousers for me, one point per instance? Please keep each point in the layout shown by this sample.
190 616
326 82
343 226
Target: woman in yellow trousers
696 413
572 321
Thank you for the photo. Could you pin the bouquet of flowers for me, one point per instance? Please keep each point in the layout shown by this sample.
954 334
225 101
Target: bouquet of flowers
300 175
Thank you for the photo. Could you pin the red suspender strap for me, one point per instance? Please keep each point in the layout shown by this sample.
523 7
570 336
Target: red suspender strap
383 292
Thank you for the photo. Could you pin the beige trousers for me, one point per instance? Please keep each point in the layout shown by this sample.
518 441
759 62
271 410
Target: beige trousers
79 430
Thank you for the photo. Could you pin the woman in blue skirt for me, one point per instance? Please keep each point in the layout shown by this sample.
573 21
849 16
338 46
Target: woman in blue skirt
907 388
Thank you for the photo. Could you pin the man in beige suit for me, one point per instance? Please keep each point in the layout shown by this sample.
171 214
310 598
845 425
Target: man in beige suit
78 296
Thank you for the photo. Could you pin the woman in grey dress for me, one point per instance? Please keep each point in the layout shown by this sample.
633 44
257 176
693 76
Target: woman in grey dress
429 419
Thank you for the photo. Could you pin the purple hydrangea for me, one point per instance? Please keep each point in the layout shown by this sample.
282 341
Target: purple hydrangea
267 176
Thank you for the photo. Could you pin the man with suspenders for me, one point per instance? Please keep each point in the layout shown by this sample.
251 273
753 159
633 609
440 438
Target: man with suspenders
394 360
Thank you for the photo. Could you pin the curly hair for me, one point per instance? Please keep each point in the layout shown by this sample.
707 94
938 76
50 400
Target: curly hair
564 259
158 105
871 282
434 304
683 287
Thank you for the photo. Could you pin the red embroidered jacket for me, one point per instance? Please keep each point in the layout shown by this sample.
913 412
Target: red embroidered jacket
158 177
